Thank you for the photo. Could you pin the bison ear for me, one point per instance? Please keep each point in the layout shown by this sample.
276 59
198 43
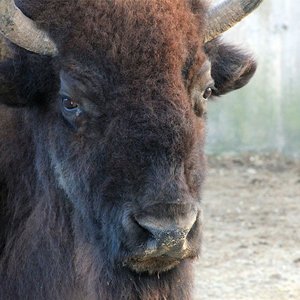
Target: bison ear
231 68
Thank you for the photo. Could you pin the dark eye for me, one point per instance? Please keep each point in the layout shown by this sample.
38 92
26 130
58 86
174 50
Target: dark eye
207 93
71 111
68 103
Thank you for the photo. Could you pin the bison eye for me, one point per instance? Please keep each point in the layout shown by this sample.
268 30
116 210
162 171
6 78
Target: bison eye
207 93
71 111
69 104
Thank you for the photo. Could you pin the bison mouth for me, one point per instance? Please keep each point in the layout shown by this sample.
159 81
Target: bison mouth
154 263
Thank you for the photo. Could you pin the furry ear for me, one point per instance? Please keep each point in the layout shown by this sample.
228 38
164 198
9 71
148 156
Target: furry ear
231 68
26 79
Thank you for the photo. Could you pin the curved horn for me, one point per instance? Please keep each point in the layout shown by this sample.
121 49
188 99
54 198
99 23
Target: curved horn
22 31
223 16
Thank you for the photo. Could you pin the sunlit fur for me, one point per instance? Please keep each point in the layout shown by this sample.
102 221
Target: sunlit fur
65 192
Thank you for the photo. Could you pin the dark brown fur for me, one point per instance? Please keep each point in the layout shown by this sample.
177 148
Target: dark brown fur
65 192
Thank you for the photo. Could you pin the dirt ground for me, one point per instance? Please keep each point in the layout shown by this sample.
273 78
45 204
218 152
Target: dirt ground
251 242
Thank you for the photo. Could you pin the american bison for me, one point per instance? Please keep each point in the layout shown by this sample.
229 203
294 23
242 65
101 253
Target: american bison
102 129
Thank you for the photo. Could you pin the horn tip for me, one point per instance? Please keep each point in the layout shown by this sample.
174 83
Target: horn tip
249 6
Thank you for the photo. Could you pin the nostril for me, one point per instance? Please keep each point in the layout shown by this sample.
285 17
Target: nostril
143 232
194 229
162 234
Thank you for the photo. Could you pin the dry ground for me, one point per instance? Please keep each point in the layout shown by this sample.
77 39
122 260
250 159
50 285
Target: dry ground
251 247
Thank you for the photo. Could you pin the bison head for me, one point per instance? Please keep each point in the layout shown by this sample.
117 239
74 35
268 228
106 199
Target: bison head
115 104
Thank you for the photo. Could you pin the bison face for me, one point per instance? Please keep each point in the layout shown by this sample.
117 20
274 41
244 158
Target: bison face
132 166
118 122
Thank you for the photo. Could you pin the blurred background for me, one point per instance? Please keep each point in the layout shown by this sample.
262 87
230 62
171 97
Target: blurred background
265 115
251 200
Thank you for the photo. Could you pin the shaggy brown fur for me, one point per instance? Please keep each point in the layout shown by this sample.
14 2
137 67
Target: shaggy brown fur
71 183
